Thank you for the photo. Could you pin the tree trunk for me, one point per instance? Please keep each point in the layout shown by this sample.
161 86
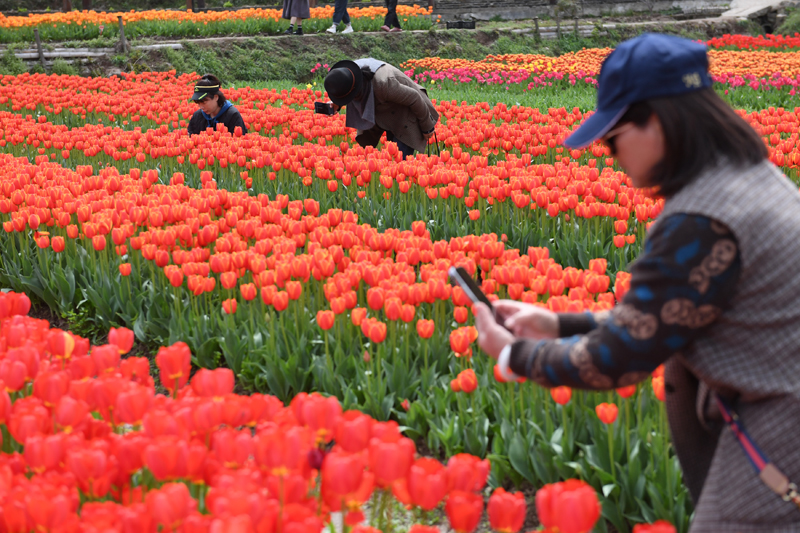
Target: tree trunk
86 4
66 6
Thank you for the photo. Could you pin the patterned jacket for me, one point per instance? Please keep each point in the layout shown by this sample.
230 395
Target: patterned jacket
751 352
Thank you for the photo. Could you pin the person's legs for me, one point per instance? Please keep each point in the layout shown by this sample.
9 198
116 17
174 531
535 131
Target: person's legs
340 11
391 19
405 149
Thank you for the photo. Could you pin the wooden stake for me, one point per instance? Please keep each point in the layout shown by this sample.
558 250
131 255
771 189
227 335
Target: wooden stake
576 27
123 42
558 25
39 45
536 28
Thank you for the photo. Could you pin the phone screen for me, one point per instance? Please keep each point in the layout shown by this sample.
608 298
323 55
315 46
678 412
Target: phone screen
461 277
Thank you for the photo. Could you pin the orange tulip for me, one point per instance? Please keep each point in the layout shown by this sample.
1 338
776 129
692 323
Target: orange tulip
607 412
561 395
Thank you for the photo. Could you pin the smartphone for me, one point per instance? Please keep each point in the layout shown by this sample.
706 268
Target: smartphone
461 277
324 108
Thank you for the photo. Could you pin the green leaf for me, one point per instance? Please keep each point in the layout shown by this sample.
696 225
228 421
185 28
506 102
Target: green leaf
518 456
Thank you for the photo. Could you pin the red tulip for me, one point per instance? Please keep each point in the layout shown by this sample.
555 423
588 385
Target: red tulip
425 328
607 412
325 319
467 381
229 306
561 395
106 358
506 511
427 483
122 338
343 473
627 392
58 244
571 506
390 461
215 383
466 472
658 388
464 510
174 364
660 526
353 431
125 269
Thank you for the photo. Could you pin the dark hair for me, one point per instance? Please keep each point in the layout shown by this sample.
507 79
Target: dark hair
210 79
700 131
367 73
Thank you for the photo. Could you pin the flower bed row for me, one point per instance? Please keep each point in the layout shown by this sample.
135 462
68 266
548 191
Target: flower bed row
295 299
82 25
88 445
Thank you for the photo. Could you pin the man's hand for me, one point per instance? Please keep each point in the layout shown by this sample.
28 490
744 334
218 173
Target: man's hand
335 107
427 136
492 337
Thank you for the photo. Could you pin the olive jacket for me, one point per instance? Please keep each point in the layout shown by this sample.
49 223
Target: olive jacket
401 107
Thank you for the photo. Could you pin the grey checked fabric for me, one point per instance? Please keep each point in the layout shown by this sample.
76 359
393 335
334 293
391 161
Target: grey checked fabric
752 351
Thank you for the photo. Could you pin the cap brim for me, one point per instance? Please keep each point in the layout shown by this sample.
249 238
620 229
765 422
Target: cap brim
594 127
197 96
353 67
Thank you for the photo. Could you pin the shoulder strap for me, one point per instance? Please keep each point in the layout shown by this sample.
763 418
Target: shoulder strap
766 471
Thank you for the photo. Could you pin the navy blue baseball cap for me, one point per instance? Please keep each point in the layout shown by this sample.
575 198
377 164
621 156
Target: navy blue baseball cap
649 66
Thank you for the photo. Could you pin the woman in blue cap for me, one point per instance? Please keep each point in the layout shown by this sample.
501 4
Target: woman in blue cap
714 295
214 108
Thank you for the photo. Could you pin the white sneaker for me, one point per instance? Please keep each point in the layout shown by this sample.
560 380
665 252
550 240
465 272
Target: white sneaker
348 29
332 29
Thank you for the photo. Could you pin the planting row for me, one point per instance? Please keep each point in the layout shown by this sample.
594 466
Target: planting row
758 63
82 25
294 299
88 445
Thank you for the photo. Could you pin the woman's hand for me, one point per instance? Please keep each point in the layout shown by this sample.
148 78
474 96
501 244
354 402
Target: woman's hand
492 337
428 135
526 320
335 107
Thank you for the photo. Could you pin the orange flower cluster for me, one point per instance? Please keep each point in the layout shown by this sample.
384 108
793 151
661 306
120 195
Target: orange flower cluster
205 237
97 18
89 422
554 183
759 63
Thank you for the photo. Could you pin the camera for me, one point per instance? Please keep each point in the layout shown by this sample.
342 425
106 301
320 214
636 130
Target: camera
324 108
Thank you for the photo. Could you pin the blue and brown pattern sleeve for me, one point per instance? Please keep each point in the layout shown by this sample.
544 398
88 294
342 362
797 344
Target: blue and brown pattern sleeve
684 280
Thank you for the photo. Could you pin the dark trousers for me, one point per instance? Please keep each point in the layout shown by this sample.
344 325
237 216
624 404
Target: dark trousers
391 19
340 12
405 149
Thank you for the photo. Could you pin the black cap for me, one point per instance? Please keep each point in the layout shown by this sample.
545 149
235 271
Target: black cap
344 82
204 88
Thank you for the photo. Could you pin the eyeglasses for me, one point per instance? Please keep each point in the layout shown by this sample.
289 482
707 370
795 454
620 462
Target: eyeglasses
608 138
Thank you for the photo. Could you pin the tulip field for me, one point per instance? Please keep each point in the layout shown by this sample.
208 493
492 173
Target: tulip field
311 273
82 25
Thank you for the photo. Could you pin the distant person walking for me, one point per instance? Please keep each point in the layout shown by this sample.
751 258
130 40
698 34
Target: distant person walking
391 22
295 11
340 14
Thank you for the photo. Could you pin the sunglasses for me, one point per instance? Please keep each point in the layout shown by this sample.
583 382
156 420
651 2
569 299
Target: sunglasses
608 138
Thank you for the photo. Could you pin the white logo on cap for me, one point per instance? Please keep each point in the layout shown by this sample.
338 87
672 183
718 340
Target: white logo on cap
692 80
